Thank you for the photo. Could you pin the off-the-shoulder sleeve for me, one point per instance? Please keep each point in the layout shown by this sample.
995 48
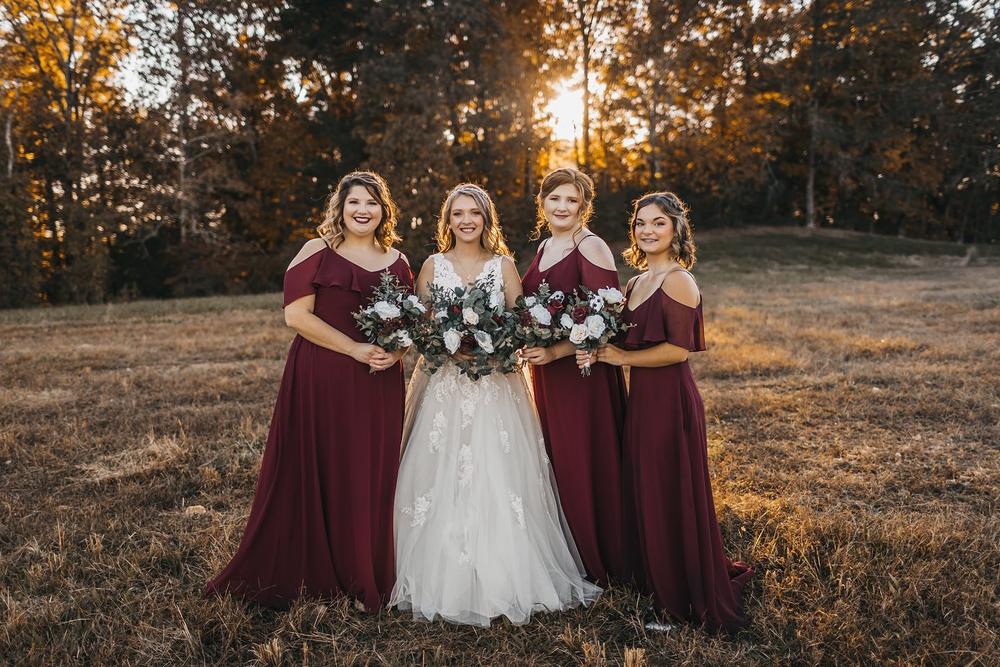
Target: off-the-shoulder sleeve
685 326
595 277
299 278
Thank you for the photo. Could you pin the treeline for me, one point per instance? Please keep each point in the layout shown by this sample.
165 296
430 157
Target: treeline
167 149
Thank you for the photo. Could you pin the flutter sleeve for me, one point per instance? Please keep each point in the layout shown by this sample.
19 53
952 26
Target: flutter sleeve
685 326
299 278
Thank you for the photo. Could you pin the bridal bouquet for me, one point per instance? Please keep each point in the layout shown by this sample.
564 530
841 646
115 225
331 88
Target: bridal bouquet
469 321
393 315
591 319
536 317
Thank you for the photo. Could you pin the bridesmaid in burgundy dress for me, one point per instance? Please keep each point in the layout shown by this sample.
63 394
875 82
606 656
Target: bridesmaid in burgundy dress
321 521
673 540
581 416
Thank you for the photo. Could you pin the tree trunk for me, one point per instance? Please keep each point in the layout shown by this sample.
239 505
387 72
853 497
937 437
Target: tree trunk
7 140
817 25
586 108
654 163
811 173
184 101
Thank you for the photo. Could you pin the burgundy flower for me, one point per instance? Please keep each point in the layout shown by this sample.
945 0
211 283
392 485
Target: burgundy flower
580 313
554 307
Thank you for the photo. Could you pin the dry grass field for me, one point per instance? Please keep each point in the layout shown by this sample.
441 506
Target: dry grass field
853 399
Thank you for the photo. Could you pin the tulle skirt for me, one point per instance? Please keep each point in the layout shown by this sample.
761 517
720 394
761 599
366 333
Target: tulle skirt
478 525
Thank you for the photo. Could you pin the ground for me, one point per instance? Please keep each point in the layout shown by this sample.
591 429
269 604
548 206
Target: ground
853 403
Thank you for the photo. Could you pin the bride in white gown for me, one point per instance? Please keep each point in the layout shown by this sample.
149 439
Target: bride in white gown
479 528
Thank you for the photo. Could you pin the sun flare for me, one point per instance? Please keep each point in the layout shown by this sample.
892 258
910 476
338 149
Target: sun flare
565 110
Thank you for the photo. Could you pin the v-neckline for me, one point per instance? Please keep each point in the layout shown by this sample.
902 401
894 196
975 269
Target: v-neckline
644 301
558 261
353 263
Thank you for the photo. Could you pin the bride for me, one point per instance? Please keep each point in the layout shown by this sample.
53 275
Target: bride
479 528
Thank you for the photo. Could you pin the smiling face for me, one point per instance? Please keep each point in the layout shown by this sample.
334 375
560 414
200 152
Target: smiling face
466 219
653 230
362 211
562 208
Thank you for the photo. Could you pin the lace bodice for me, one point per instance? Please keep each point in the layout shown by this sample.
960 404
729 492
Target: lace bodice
447 277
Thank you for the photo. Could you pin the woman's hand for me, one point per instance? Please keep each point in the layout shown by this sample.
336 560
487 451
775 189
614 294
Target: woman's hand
610 354
386 360
538 356
364 353
584 358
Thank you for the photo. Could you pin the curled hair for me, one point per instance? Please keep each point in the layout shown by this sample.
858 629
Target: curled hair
492 238
563 176
332 228
682 247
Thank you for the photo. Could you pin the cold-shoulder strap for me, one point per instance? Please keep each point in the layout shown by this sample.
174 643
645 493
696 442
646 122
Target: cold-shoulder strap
629 285
685 324
594 276
671 296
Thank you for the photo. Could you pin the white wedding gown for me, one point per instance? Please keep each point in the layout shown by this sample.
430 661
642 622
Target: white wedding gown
479 529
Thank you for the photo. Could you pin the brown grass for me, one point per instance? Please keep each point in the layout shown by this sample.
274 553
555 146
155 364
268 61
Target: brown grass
854 419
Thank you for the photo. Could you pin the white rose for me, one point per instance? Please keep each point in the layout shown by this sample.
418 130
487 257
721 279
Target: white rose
415 300
441 314
540 313
386 310
530 301
485 342
470 316
578 334
595 326
596 303
403 336
557 296
611 295
566 321
452 339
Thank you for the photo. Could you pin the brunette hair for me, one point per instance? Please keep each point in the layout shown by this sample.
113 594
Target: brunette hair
331 229
682 247
492 238
563 176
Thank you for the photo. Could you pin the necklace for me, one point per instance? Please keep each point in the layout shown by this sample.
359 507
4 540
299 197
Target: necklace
463 273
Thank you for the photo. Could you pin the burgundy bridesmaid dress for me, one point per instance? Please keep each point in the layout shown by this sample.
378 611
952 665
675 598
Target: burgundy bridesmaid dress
672 535
582 423
321 521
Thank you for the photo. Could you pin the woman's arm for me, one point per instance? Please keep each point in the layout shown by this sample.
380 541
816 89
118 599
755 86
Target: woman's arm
511 281
539 356
664 354
424 279
299 316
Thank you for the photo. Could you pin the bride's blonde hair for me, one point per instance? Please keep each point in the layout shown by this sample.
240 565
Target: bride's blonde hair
492 238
